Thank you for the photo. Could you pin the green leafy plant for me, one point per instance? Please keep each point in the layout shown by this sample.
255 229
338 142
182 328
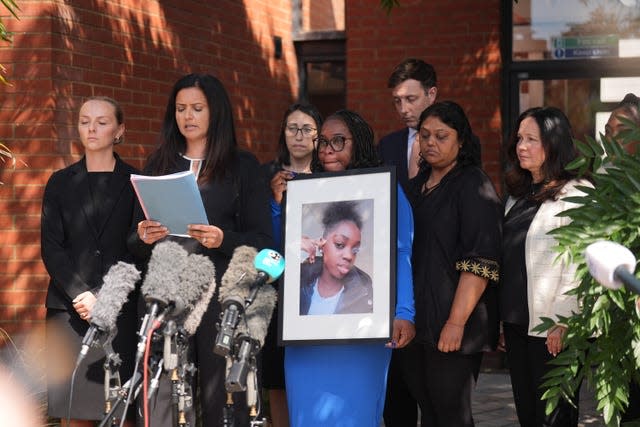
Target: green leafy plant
7 156
5 35
603 339
5 153
388 5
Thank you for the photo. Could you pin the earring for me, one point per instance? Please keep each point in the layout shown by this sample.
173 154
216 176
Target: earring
117 140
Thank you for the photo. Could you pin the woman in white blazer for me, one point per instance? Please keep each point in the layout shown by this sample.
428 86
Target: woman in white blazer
533 282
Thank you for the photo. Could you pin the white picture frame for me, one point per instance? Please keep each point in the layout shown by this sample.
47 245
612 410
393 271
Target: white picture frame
373 194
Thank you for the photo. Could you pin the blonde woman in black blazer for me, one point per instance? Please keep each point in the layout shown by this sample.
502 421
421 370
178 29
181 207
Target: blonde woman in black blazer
86 216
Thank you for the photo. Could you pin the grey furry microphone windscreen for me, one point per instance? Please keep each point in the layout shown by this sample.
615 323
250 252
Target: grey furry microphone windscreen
174 276
167 260
240 274
118 283
199 274
193 319
237 282
258 314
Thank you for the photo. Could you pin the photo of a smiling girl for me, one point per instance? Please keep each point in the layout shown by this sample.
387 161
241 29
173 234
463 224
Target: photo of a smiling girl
330 281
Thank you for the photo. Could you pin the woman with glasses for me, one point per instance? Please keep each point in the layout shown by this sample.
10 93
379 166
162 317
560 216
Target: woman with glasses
345 384
295 151
299 127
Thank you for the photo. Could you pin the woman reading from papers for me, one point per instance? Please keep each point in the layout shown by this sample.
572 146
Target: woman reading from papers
198 134
86 216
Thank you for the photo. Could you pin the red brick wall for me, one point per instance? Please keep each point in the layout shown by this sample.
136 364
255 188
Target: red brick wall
323 15
460 38
65 51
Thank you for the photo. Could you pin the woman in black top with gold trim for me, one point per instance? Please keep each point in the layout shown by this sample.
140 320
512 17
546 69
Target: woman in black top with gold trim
456 249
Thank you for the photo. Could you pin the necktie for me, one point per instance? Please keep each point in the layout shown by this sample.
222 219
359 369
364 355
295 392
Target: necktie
414 157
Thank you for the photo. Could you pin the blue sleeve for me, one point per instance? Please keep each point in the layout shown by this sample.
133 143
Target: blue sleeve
405 308
276 224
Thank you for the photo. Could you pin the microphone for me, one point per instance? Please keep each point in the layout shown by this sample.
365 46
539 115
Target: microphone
268 265
262 301
173 284
234 289
250 337
612 265
192 321
175 280
119 281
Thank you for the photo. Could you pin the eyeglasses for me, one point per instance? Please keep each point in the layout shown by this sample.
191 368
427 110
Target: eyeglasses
307 131
337 142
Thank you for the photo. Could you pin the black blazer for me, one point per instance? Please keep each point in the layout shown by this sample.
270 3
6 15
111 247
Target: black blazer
75 253
392 150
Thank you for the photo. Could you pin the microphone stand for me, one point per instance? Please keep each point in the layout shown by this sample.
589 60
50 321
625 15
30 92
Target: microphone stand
120 398
134 383
252 398
180 372
112 383
228 416
241 371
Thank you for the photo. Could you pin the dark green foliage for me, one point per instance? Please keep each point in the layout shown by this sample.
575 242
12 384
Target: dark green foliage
388 5
5 35
603 340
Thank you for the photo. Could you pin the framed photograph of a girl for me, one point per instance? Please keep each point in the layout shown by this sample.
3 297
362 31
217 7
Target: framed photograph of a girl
339 278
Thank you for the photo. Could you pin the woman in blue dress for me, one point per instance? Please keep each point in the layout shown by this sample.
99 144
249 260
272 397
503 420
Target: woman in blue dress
344 385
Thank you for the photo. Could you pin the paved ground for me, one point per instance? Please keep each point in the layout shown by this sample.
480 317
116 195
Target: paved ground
493 403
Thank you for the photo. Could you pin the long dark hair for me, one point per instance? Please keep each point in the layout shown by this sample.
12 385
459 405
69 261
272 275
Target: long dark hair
453 116
284 157
559 150
364 153
221 137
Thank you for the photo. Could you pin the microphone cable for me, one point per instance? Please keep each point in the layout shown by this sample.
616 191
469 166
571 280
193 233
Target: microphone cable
129 393
71 387
145 372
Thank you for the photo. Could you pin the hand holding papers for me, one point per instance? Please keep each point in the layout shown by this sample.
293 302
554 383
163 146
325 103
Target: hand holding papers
173 200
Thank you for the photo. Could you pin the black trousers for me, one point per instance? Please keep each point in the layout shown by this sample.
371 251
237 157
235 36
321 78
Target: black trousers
442 384
527 357
400 408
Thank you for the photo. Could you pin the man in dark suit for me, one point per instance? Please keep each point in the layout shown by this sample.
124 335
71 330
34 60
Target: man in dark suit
413 86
